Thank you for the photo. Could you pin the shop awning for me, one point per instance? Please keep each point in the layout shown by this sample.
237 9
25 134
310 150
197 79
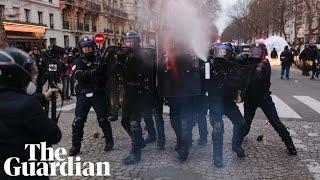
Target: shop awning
22 27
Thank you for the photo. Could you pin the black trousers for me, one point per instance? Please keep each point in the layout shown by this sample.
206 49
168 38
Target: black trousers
269 109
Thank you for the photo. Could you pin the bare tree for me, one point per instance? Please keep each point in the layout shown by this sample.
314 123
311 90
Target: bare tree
3 36
312 13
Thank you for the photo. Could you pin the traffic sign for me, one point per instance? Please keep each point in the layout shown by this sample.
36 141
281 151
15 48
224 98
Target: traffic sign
99 38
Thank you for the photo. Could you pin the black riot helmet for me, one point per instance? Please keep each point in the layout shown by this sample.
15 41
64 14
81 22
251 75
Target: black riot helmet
17 70
258 51
222 52
132 39
87 47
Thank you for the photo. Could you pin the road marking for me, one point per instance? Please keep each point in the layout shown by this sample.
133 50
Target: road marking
306 127
312 103
292 132
284 111
313 134
67 107
299 144
313 167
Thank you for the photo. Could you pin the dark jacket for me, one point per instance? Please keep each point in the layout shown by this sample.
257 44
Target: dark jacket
286 58
23 121
218 86
274 54
91 77
260 83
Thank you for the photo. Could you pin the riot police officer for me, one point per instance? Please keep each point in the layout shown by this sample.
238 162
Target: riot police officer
179 82
258 95
201 107
90 74
138 72
221 99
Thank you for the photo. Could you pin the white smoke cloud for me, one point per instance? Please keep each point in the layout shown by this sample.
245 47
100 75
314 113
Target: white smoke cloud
189 27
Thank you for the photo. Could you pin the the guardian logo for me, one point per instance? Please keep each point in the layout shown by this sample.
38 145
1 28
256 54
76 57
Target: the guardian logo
57 163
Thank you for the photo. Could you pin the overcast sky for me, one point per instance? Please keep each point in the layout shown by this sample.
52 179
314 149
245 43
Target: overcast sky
223 20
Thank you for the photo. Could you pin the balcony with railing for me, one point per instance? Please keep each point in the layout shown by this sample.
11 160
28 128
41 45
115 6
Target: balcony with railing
117 12
93 6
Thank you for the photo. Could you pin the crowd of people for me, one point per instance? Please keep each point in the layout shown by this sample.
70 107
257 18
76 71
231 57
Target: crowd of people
65 69
182 86
307 60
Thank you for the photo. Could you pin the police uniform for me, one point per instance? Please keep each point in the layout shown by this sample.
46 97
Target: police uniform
179 83
258 95
137 66
90 92
221 100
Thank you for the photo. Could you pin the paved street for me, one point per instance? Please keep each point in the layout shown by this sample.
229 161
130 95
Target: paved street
298 104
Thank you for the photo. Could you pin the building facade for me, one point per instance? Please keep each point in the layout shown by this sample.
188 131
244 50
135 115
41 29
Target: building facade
32 23
40 23
303 21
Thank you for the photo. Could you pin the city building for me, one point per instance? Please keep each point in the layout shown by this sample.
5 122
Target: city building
40 23
303 22
32 23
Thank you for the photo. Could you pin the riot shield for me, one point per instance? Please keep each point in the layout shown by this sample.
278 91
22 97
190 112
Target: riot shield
178 74
136 67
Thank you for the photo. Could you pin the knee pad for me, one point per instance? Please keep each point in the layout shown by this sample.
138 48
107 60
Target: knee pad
135 124
78 122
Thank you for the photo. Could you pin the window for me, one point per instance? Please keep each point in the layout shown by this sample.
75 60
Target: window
121 5
66 41
1 10
76 38
40 17
16 10
51 21
53 41
50 1
27 15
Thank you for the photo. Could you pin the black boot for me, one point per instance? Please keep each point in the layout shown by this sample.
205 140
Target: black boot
239 151
285 136
178 146
77 134
290 146
161 143
74 150
150 139
183 153
133 158
109 146
217 161
202 141
107 131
